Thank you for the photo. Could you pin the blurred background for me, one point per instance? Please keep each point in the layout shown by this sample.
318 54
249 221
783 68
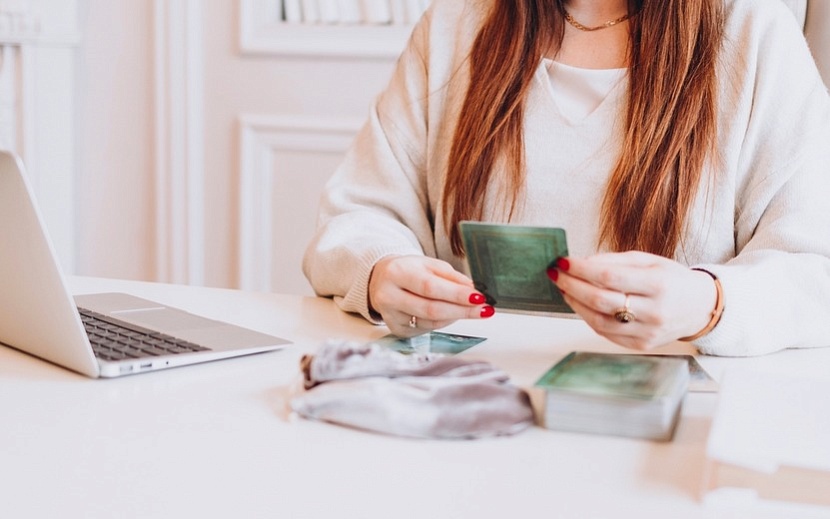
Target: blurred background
186 140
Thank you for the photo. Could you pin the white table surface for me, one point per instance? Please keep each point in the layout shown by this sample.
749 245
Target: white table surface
214 440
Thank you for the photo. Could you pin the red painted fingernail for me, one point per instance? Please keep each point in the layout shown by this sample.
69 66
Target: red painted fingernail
563 263
487 311
553 274
476 298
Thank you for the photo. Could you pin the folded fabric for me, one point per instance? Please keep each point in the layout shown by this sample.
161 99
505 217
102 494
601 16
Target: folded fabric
420 396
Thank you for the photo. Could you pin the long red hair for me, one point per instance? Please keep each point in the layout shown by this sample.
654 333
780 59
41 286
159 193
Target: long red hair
669 121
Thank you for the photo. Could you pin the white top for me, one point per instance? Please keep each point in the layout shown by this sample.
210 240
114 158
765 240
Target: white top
762 224
579 91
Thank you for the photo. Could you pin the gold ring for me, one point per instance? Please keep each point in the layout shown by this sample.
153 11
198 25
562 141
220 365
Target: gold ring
624 314
413 322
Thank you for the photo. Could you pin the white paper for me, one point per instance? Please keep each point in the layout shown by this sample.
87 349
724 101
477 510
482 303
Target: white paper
765 420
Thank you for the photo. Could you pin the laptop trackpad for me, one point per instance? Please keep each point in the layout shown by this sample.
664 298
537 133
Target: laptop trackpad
145 313
214 334
166 320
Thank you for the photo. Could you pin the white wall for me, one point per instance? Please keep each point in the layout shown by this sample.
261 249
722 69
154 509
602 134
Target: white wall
294 112
114 81
38 40
198 162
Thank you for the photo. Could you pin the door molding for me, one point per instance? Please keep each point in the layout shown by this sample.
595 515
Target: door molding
262 139
179 141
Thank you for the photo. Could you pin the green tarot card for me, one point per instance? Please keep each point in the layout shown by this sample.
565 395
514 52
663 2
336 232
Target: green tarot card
508 264
432 342
642 377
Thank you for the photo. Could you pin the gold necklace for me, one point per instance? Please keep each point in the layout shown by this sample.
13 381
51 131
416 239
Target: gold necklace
609 23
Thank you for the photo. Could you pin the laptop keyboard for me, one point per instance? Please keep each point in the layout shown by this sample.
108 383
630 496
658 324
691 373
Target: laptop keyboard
115 340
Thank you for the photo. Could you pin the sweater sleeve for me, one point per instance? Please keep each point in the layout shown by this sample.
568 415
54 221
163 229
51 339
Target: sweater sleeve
376 203
777 287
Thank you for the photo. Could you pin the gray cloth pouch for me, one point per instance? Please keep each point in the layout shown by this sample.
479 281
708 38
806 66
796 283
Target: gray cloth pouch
420 396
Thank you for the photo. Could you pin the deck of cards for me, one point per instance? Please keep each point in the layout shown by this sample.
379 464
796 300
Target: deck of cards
622 395
508 264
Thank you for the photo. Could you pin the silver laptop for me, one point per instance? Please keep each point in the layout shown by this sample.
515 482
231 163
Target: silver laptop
98 335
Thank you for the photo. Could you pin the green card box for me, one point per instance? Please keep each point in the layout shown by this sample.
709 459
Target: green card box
508 264
623 395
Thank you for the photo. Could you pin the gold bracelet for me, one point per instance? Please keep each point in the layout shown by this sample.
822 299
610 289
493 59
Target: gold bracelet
716 313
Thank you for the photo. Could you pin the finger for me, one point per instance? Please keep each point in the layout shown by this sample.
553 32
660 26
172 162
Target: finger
630 258
423 277
426 288
404 325
605 323
435 286
628 272
601 300
636 335
446 271
426 308
637 328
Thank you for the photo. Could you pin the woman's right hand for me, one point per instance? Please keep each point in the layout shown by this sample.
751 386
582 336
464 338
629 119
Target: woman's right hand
418 294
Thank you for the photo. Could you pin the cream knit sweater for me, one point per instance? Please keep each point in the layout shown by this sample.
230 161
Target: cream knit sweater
762 224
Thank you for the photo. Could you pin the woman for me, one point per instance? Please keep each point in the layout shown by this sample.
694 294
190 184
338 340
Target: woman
662 135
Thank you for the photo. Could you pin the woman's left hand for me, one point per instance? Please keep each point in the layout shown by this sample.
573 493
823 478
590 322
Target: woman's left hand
664 299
